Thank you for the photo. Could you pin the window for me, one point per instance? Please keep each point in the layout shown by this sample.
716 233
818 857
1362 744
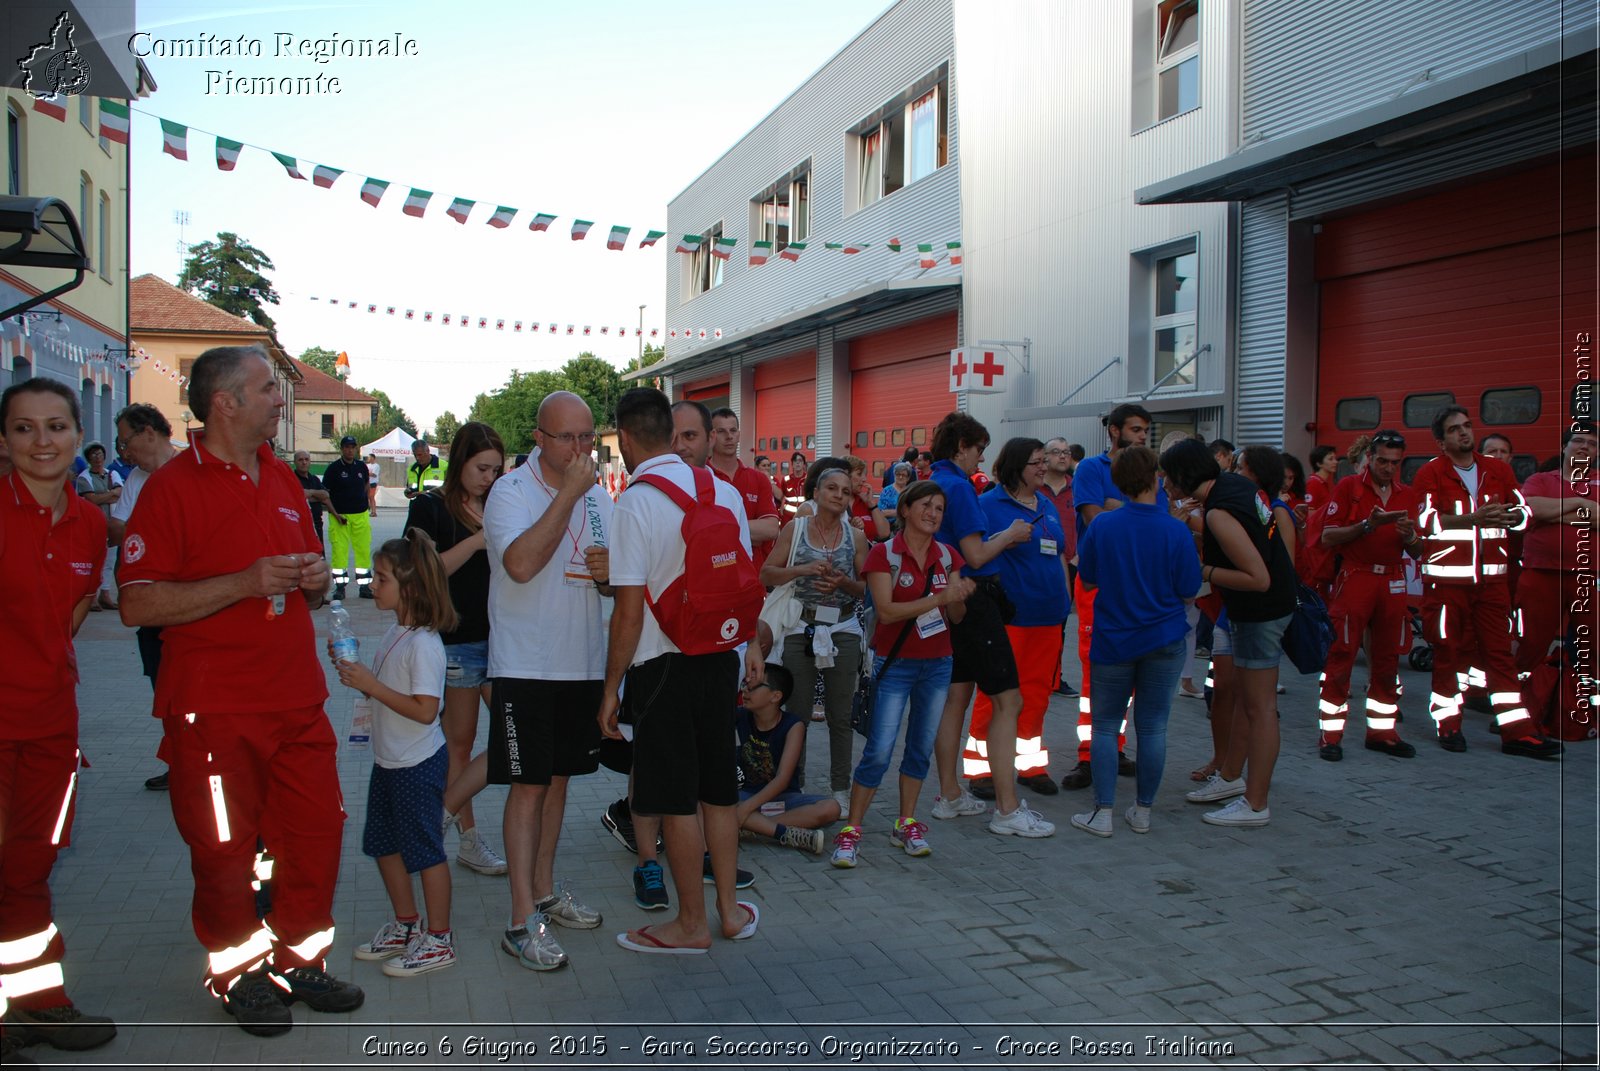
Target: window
898 436
1353 414
13 150
861 440
1418 410
327 425
1176 329
705 270
1510 405
811 442
782 213
1177 57
185 367
905 140
85 201
919 436
1524 465
85 109
105 237
1408 468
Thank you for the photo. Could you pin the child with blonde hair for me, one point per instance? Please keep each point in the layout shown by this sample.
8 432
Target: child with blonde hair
405 800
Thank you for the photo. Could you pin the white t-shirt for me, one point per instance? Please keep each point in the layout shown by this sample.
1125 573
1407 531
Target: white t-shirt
1469 476
550 627
647 539
411 661
122 508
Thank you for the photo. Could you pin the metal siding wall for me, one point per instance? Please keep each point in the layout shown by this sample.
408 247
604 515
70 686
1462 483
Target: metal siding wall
825 393
1263 301
908 41
1305 63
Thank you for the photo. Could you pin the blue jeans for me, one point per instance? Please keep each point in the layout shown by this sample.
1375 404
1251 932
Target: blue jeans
1151 679
920 683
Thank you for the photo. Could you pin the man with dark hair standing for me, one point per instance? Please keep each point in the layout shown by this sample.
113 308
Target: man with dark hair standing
1370 521
1470 504
1059 467
1094 492
1222 450
345 480
760 508
220 553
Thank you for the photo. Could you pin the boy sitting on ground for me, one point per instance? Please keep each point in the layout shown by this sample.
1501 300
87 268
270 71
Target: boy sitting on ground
770 738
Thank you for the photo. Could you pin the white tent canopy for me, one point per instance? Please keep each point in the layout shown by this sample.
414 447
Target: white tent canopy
395 445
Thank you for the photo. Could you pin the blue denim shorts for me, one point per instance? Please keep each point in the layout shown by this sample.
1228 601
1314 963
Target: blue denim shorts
1258 644
466 665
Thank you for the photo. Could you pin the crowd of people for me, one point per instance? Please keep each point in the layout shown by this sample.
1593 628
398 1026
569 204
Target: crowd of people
687 631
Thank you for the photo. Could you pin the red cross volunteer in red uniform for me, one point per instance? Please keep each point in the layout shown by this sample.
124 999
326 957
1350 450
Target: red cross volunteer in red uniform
755 490
52 548
1470 505
220 553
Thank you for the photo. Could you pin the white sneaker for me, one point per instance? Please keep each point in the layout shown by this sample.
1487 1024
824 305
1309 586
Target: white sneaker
964 804
475 854
429 952
1216 788
1097 821
564 909
1238 813
1138 818
533 945
1021 823
842 798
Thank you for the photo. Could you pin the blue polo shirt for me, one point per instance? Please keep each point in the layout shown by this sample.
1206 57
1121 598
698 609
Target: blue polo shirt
346 483
1034 581
1092 486
1143 562
962 515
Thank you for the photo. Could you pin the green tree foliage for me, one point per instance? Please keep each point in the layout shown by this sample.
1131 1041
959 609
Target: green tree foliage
511 410
230 269
651 355
322 359
445 427
596 382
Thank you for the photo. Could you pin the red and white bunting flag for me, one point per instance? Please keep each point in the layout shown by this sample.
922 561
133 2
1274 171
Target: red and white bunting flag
653 331
689 243
291 166
391 310
672 332
499 325
175 139
651 238
113 120
569 329
702 334
925 258
445 319
460 209
462 320
228 153
792 251
417 202
427 317
722 248
580 229
372 191
759 252
516 328
55 107
352 304
955 251
541 221
372 308
410 314
618 238
586 331
325 176
502 217
535 325
717 333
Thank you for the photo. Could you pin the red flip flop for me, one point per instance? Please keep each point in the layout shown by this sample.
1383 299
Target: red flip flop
642 940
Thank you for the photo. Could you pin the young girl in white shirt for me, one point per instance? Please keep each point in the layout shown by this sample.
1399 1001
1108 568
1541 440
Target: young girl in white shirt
405 801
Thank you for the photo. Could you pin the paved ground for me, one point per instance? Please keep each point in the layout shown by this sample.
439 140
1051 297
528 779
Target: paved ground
1438 911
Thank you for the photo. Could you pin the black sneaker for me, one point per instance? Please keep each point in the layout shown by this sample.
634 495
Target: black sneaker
338 591
366 591
1125 766
1065 689
1396 747
321 991
257 1003
1330 752
62 1027
1453 741
1079 777
618 821
650 887
1534 747
981 787
158 783
743 879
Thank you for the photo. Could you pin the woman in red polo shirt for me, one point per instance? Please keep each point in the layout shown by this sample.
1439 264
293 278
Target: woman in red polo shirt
52 548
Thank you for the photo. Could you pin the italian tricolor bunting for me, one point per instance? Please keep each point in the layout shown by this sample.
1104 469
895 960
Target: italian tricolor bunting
175 139
690 243
541 222
372 191
55 107
290 165
759 252
325 176
460 209
227 153
580 229
894 245
416 202
846 247
651 238
502 219
722 248
792 251
113 120
618 238
926 259
955 251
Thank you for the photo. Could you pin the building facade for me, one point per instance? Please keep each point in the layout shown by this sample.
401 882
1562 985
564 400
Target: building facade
324 406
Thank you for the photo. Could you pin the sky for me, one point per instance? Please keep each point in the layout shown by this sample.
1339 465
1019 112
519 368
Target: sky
601 111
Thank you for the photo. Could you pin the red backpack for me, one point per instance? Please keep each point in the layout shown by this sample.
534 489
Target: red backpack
713 606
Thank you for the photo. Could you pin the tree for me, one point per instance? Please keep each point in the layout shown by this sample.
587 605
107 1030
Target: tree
651 355
391 416
322 359
445 427
227 273
596 382
511 410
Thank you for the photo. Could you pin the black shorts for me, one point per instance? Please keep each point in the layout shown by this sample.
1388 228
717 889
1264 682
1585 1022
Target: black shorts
149 638
542 729
979 642
683 735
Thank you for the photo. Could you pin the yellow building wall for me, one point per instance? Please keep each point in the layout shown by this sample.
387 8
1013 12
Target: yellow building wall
56 157
308 424
156 388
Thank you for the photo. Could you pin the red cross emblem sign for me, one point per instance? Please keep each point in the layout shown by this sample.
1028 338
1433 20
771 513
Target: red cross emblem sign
979 371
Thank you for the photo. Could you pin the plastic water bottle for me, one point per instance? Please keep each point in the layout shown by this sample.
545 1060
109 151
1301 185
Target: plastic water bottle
345 644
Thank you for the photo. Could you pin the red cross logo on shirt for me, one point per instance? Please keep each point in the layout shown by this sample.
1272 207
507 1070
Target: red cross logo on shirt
959 369
988 369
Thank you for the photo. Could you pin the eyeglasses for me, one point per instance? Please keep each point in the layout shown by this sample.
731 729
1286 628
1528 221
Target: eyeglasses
1058 452
567 438
753 687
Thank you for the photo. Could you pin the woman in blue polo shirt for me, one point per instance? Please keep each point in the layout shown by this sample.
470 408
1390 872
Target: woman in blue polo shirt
1141 562
1034 577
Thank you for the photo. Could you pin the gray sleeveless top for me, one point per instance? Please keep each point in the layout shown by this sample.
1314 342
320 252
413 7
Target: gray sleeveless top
841 557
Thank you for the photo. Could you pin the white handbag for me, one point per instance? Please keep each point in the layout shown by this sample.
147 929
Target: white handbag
783 608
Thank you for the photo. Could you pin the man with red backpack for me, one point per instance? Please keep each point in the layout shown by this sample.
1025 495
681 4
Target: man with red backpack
677 530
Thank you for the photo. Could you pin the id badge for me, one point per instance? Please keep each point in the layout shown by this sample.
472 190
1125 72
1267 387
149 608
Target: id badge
827 615
576 578
930 624
1048 548
1397 587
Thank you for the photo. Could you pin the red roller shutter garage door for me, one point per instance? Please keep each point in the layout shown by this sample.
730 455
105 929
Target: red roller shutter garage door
899 389
786 407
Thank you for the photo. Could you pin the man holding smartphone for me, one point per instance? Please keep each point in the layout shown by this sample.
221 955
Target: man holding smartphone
1369 525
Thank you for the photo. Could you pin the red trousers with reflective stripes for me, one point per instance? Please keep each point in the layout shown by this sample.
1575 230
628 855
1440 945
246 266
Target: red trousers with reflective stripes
1037 649
1545 600
235 777
1362 599
1469 626
1083 602
36 777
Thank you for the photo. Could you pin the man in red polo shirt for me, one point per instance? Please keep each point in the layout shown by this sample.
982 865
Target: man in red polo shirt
220 553
1369 520
1558 559
760 508
52 548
